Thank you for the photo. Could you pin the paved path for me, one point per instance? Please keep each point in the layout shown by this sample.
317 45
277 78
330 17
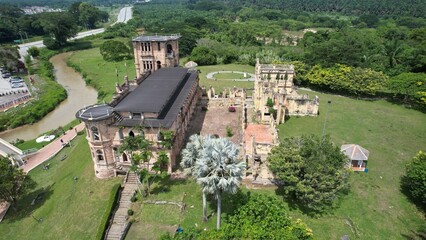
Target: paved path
210 75
120 219
51 149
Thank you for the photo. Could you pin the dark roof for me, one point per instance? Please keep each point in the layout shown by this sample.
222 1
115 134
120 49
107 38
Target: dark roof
155 38
172 109
153 94
95 112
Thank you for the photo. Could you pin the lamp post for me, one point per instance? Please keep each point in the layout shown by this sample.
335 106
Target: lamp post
326 116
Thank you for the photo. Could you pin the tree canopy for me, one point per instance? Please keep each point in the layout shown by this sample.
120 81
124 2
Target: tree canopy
113 50
13 181
312 170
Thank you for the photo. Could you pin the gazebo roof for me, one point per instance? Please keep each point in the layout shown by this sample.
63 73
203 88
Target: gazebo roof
355 152
191 64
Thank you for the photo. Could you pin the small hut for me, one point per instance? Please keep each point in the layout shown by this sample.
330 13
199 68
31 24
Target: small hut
191 65
358 156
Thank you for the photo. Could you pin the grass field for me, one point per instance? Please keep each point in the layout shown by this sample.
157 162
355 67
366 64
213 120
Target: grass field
153 221
69 209
220 84
393 135
102 74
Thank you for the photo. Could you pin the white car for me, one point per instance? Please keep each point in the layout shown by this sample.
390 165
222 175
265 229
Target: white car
17 85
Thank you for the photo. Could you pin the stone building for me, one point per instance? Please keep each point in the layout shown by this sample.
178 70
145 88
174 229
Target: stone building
274 83
155 52
161 98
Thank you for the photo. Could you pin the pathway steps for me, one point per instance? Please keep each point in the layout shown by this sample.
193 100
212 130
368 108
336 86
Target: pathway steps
120 219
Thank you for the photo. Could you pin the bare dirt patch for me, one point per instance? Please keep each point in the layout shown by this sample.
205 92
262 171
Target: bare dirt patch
215 121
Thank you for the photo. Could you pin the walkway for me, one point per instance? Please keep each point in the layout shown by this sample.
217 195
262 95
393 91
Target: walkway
210 75
51 149
120 221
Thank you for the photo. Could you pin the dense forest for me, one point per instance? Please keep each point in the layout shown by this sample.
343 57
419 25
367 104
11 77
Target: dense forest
63 3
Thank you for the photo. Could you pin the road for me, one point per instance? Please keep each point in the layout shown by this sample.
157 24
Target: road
124 16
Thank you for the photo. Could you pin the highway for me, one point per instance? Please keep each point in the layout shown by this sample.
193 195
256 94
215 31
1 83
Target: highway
124 16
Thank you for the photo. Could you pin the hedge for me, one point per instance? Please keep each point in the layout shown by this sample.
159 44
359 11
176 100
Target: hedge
112 203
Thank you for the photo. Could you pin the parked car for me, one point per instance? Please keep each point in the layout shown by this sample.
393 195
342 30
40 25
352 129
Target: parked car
5 74
17 85
16 79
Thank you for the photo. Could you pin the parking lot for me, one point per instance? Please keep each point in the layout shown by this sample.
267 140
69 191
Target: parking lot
12 96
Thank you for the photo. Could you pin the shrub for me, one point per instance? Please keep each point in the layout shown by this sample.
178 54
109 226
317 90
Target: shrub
133 199
414 179
229 132
34 51
51 44
130 212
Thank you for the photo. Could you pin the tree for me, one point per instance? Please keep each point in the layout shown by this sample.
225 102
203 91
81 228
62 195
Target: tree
190 154
263 217
414 180
9 57
13 181
132 144
113 50
203 56
60 26
219 170
312 170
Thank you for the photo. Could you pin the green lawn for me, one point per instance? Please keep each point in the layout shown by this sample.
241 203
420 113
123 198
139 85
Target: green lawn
219 85
102 74
69 209
152 221
393 135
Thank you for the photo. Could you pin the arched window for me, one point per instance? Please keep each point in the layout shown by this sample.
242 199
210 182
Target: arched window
158 65
131 134
100 155
116 154
95 133
125 157
169 49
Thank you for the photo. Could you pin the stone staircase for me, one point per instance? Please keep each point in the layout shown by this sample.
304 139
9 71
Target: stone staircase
120 219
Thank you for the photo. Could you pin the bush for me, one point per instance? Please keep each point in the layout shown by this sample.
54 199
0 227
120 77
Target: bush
133 199
414 180
229 132
34 51
112 201
130 212
51 44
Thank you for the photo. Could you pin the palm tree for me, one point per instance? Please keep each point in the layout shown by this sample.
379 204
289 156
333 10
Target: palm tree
190 155
218 170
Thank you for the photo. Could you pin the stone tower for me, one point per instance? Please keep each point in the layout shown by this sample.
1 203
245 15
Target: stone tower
98 133
155 52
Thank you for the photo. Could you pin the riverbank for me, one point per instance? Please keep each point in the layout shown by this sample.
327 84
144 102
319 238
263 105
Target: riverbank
79 95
